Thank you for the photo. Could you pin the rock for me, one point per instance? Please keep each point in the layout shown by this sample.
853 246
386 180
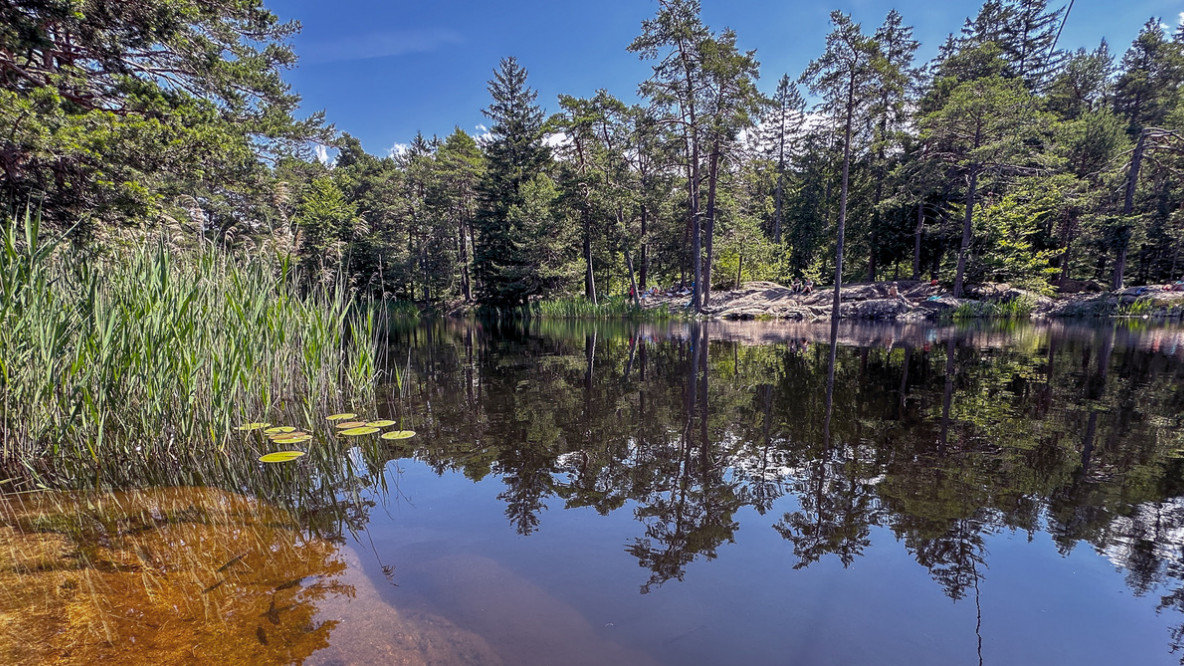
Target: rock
879 308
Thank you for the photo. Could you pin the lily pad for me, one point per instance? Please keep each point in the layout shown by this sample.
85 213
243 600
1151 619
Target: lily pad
252 426
293 439
381 424
291 432
364 430
281 456
340 417
350 424
398 434
279 430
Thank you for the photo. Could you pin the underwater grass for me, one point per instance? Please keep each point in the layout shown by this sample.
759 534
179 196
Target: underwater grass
151 355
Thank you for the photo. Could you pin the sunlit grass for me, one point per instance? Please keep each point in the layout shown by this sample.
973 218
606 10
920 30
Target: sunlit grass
618 307
154 355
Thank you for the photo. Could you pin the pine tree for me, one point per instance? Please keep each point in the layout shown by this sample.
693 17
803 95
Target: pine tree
674 37
515 156
986 125
732 103
843 76
894 81
1152 71
781 126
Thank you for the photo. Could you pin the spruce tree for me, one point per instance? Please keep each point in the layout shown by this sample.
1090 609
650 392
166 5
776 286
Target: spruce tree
515 156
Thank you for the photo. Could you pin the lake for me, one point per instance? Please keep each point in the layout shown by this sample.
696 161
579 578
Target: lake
676 493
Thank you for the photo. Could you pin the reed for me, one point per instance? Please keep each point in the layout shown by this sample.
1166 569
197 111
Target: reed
155 356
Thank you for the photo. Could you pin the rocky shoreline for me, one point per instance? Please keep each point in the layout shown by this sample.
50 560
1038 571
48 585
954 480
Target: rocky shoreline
910 300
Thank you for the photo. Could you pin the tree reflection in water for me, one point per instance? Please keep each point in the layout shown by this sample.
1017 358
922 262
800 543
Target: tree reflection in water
942 435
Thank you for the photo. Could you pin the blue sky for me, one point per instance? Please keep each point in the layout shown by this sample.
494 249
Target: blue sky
383 70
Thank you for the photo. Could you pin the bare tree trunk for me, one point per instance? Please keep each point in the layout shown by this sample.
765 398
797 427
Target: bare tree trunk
1128 206
645 254
843 197
917 234
632 282
465 286
967 229
780 195
712 178
589 278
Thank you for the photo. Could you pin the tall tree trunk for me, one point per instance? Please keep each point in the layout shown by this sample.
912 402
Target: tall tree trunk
644 269
843 197
589 278
709 232
1128 206
876 198
967 229
917 234
465 286
632 282
692 135
780 187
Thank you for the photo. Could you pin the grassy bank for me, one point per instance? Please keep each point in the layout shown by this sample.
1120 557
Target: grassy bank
616 307
152 356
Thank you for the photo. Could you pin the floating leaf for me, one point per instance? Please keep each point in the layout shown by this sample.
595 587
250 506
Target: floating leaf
398 434
293 439
341 417
364 430
252 426
281 456
292 432
381 424
279 430
350 424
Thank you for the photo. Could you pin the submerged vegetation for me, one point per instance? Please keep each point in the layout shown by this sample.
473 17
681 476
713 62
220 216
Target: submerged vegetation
153 355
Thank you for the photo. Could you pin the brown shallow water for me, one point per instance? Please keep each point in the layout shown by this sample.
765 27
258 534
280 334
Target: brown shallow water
592 494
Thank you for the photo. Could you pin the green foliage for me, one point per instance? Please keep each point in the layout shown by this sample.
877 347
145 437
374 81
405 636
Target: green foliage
114 110
513 212
157 354
1007 232
1020 307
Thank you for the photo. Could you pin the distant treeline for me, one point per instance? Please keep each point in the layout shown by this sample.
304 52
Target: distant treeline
1005 158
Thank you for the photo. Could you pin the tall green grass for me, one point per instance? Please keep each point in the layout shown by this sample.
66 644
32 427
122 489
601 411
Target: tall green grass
580 308
151 356
1020 307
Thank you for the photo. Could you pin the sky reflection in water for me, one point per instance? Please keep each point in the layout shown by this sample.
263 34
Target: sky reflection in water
610 493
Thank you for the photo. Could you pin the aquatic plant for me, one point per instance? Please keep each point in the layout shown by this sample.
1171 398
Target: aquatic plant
152 355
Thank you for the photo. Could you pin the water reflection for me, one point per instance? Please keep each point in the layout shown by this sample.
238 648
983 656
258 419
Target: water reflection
763 454
943 436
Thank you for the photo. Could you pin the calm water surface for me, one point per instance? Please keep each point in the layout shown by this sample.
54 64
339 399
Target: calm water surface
672 494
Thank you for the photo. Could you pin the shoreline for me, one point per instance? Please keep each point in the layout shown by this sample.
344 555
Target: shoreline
922 301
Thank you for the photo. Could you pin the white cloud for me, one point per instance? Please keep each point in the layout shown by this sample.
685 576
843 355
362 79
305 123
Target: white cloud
1180 19
398 149
483 135
377 45
322 153
556 140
